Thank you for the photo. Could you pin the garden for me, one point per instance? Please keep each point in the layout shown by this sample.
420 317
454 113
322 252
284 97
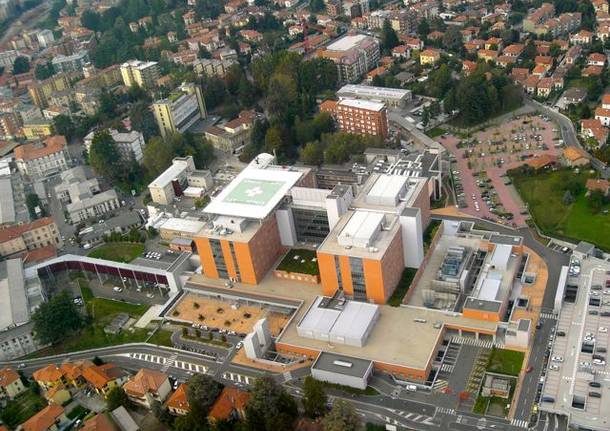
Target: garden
118 251
300 261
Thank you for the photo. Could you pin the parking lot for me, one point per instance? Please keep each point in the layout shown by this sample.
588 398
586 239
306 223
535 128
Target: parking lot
481 162
577 381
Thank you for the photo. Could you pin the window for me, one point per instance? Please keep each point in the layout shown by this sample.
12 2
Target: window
358 282
219 260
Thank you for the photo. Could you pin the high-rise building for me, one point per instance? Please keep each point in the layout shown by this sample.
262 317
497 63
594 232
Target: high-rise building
180 110
141 73
354 56
362 117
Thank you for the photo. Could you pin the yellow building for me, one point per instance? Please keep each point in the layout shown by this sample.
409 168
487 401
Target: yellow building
183 108
429 56
37 129
49 377
40 92
141 73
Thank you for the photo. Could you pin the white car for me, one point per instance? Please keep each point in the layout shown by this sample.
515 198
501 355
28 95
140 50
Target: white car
239 345
557 359
599 362
117 289
602 330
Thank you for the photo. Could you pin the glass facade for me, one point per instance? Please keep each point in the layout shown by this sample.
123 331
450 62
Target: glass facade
219 259
234 257
311 225
357 269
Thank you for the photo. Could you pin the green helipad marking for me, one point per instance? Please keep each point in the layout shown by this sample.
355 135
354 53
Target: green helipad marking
253 192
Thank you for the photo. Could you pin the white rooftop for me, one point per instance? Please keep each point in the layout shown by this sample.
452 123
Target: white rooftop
254 193
183 225
501 256
175 170
489 289
362 104
13 298
370 91
387 190
347 42
361 230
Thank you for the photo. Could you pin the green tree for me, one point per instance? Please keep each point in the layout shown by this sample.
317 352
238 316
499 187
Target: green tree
32 201
273 140
312 153
104 156
44 71
389 39
425 116
314 397
423 28
316 6
342 417
117 398
281 100
64 125
158 155
91 20
270 407
56 319
21 65
143 120
201 392
596 200
452 39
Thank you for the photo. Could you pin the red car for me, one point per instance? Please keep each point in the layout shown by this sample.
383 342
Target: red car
529 369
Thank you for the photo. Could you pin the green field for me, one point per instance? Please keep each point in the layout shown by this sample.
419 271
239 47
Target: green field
507 362
544 195
435 131
290 264
101 312
118 251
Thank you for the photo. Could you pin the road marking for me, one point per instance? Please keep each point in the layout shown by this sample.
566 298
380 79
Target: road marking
520 423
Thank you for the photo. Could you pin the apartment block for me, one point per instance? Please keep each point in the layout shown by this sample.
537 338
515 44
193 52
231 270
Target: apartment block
21 238
357 116
39 159
41 91
354 55
177 179
130 145
70 63
234 134
141 73
183 108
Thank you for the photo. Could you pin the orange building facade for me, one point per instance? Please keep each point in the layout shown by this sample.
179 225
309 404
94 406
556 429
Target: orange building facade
244 261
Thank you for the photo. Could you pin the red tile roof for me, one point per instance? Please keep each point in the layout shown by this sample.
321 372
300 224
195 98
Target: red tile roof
16 231
44 419
36 150
230 399
8 376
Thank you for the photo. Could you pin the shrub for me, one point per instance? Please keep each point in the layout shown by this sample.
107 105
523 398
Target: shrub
200 317
195 305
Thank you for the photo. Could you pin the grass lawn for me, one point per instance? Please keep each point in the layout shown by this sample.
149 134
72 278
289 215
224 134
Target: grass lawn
544 195
403 287
480 405
504 361
102 311
118 251
290 264
435 131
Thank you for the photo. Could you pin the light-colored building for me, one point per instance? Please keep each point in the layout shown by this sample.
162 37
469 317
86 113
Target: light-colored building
183 108
40 159
21 238
7 58
148 386
141 73
212 66
11 384
37 128
45 38
41 91
180 228
354 55
342 370
395 97
70 63
130 145
181 178
234 134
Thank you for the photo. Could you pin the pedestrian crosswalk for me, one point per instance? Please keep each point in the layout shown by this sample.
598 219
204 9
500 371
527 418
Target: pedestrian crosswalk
520 423
170 362
467 341
446 410
548 316
414 417
236 377
447 368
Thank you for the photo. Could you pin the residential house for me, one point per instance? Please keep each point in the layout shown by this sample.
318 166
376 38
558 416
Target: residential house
583 37
148 386
576 95
49 376
99 422
598 184
103 378
57 395
40 159
487 55
51 418
401 51
429 56
606 101
573 54
603 115
592 128
513 50
573 156
539 71
596 59
73 372
231 403
592 71
544 87
545 61
10 384
603 32
530 84
177 403
468 67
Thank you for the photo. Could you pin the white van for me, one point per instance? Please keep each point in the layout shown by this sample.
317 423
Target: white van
411 388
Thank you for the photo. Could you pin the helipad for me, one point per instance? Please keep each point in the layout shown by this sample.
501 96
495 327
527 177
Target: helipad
253 192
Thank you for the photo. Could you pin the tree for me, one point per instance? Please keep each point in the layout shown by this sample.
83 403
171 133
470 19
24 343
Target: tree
201 392
32 201
270 408
44 71
158 156
316 6
423 28
143 120
273 140
21 65
597 199
104 156
567 199
64 125
281 98
91 20
342 417
57 318
314 397
389 39
117 398
425 116
452 39
312 153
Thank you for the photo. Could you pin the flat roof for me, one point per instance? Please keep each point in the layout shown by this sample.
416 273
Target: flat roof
362 104
183 225
370 91
7 203
254 192
341 364
177 168
13 297
347 42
